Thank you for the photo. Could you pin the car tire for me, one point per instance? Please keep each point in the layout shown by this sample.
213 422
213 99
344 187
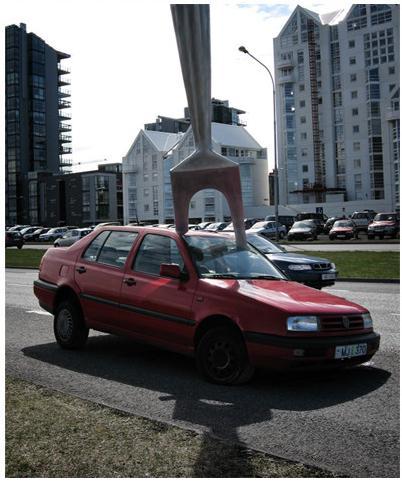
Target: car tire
222 358
69 327
20 246
331 237
281 235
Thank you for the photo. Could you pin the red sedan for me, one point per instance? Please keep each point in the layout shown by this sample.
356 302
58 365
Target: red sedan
200 295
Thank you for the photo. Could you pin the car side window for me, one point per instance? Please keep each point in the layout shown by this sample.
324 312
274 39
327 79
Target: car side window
91 252
156 250
116 248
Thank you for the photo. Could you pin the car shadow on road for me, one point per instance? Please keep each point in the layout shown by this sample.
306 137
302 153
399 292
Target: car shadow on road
214 410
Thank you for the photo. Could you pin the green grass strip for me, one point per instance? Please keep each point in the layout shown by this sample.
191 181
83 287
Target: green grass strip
49 434
29 258
363 264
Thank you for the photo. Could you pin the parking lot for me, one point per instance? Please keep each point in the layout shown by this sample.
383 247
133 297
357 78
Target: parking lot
347 422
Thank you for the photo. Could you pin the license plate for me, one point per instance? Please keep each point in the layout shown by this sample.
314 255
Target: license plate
326 277
341 236
350 351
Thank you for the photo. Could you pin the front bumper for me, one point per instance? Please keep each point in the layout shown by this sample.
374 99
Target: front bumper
311 278
285 352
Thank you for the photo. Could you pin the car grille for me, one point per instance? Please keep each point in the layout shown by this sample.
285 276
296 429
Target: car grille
341 323
322 266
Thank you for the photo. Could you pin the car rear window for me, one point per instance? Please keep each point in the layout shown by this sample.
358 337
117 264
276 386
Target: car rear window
116 248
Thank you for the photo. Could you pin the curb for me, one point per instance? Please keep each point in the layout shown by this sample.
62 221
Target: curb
361 279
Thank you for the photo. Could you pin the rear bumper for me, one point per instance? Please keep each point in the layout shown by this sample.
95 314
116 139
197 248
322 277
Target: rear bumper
281 352
45 292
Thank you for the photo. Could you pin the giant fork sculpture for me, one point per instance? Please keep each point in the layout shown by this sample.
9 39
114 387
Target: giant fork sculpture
203 168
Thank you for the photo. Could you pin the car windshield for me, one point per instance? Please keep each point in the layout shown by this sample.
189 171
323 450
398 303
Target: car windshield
385 216
220 258
260 225
263 245
343 223
301 225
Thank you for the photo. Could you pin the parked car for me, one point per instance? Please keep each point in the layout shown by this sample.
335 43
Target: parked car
384 224
52 234
28 231
204 225
268 229
362 220
17 228
344 229
286 220
319 219
303 231
217 226
71 236
248 223
34 236
311 271
14 239
200 295
330 222
104 224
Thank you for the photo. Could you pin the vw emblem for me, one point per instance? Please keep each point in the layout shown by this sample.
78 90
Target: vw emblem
346 322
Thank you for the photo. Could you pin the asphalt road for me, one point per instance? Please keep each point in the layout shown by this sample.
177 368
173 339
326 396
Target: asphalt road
346 422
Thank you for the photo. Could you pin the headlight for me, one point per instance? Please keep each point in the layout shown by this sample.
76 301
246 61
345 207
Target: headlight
333 266
367 321
302 323
299 267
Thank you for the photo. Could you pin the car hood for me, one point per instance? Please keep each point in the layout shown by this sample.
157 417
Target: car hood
292 257
290 297
383 223
342 229
296 231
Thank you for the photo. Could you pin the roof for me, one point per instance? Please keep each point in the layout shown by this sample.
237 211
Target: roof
161 140
232 135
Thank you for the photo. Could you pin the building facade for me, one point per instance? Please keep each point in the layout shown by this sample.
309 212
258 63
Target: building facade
147 188
37 134
337 78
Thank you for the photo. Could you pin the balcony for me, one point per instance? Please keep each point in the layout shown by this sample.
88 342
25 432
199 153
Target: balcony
64 104
392 114
64 115
65 138
64 93
65 150
61 70
63 82
286 78
285 63
64 127
64 162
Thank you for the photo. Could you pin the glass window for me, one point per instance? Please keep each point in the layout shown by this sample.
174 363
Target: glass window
356 128
117 247
156 250
351 44
91 252
353 94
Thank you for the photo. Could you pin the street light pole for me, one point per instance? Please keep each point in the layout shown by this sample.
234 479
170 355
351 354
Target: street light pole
276 180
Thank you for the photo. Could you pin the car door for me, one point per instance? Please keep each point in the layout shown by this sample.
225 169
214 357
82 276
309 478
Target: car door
99 274
159 308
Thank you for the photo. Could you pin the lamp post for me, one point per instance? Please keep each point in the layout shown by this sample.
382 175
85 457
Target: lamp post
276 181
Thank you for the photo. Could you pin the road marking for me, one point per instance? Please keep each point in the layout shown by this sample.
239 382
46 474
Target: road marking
11 284
394 314
38 311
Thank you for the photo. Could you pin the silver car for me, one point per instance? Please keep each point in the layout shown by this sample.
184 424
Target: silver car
268 229
71 236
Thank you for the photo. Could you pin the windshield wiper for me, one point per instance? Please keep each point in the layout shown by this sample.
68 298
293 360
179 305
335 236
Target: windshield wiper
221 276
268 278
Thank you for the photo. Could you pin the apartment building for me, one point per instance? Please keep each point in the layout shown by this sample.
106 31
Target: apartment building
337 78
147 188
37 129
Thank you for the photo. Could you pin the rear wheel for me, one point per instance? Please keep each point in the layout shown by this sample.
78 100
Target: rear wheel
222 357
69 327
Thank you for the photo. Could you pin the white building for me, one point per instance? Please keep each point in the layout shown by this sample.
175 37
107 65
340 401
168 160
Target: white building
146 175
337 78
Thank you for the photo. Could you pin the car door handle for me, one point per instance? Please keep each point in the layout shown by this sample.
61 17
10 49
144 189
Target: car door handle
81 270
130 281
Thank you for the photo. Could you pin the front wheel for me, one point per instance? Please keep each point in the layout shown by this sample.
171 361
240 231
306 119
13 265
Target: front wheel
69 327
222 357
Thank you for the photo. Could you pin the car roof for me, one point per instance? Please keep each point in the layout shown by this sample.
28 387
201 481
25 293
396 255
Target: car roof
161 231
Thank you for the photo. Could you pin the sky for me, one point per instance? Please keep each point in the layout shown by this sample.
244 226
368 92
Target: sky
125 67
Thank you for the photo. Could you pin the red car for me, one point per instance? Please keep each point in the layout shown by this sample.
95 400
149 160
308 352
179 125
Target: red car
200 295
343 229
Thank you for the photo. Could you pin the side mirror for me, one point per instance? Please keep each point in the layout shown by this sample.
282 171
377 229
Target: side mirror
171 270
